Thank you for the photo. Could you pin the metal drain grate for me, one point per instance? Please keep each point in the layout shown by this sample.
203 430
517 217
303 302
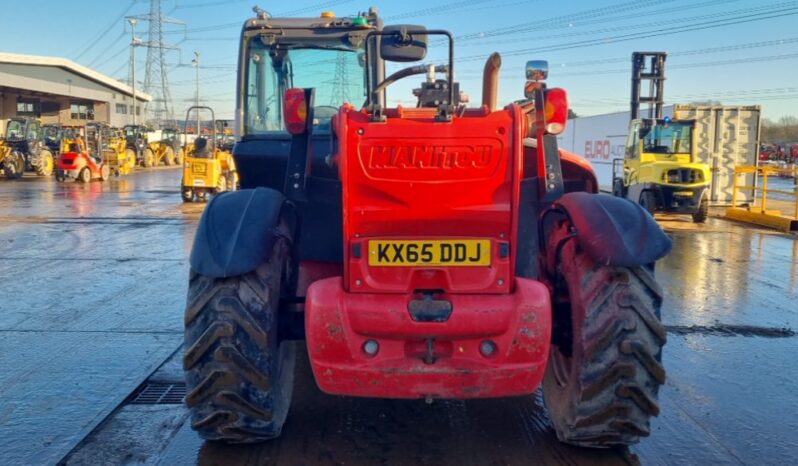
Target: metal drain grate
159 394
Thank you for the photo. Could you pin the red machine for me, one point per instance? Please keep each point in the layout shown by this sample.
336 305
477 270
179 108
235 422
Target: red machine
436 252
81 162
81 166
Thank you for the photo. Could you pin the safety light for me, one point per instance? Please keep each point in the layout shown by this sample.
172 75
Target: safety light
556 110
327 14
360 21
295 110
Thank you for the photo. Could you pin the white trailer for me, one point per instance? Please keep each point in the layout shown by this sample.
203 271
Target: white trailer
725 137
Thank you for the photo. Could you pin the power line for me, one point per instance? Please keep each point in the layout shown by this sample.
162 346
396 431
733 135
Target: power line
202 5
445 8
237 24
96 38
105 51
710 50
110 57
563 19
642 35
614 19
735 61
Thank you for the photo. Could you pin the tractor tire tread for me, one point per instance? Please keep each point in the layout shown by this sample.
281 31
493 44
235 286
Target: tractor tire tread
229 328
615 382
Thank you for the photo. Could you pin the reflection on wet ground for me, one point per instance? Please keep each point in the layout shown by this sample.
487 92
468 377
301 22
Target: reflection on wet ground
94 279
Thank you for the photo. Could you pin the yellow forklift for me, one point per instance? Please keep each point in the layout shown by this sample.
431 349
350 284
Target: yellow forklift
207 169
115 154
660 169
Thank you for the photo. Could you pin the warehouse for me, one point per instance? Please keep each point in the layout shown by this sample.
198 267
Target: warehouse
57 90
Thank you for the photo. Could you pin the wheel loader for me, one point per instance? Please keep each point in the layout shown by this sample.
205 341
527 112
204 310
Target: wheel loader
431 251
207 168
168 150
27 149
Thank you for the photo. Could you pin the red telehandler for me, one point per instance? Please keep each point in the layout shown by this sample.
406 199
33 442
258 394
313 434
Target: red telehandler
430 252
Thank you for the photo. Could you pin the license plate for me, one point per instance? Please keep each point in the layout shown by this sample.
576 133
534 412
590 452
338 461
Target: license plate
198 168
199 182
449 252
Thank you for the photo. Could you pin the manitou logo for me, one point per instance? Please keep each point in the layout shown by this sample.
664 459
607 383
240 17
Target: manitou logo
441 161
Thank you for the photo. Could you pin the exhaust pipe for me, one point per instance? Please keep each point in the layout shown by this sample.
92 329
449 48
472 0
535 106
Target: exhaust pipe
490 81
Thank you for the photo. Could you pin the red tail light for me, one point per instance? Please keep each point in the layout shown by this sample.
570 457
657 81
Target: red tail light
556 110
295 110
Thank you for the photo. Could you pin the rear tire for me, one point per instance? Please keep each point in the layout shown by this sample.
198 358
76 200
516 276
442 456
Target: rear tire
231 181
703 210
604 373
46 163
239 376
649 201
186 193
14 165
130 164
85 175
105 172
221 184
169 158
618 188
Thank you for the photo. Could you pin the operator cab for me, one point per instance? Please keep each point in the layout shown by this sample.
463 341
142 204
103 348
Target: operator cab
667 136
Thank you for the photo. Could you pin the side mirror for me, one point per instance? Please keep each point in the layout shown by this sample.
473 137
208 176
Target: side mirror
403 43
537 70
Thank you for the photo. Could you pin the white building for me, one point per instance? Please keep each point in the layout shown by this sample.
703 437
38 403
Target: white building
57 90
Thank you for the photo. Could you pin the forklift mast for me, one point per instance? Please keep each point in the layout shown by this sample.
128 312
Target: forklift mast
648 66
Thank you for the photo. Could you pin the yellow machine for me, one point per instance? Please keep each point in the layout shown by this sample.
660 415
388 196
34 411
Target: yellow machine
120 160
660 169
5 149
207 169
168 150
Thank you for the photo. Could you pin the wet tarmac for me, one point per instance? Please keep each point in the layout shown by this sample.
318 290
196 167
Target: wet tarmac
94 280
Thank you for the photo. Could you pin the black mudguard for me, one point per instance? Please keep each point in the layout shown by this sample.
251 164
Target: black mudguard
614 231
237 232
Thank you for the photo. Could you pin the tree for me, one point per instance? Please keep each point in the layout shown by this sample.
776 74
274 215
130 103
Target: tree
782 131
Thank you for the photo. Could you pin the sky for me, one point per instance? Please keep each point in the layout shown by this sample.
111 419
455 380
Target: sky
738 52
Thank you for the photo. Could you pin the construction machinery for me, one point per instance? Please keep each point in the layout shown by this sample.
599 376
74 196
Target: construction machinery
138 144
207 168
168 149
52 133
427 252
81 158
660 168
27 150
121 159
